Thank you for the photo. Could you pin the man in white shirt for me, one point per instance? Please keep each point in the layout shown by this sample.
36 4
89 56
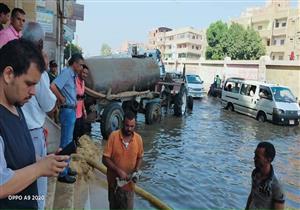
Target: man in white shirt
35 110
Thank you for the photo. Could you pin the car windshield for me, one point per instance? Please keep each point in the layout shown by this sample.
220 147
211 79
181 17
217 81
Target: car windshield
193 79
282 94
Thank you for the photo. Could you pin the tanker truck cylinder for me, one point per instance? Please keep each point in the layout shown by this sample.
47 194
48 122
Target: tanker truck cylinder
122 74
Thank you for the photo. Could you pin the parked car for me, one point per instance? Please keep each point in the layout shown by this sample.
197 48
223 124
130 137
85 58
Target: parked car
195 86
260 100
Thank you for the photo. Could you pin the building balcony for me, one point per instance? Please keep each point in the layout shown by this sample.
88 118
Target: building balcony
265 33
279 31
184 41
168 51
276 48
259 19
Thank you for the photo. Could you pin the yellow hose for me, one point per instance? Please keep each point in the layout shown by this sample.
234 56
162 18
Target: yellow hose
148 196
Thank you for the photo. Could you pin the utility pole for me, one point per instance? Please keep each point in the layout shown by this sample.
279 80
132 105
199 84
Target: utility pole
60 33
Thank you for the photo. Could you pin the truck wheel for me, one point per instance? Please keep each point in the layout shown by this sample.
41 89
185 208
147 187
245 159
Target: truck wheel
180 102
112 119
153 113
190 103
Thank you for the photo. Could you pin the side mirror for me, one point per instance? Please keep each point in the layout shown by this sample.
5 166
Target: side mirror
201 82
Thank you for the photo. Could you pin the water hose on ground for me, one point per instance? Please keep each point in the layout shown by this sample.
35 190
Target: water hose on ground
148 196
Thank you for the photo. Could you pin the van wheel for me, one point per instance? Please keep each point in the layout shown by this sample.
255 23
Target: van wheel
230 107
261 117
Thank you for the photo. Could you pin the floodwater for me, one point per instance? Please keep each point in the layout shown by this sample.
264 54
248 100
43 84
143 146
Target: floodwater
205 159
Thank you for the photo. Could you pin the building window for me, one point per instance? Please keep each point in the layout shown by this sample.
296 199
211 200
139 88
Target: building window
259 28
282 42
181 36
197 48
280 57
283 24
274 42
276 24
268 42
192 46
273 57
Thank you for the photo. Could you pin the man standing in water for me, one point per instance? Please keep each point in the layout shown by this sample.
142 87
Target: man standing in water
266 191
122 156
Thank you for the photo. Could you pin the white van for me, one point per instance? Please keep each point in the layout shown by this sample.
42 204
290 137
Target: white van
261 100
195 86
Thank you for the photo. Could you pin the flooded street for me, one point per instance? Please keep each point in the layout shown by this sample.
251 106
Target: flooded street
205 160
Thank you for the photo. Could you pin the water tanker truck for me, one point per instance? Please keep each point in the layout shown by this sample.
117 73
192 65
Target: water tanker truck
139 84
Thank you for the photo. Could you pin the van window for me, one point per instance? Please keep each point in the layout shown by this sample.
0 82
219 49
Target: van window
231 86
251 90
282 94
265 92
248 90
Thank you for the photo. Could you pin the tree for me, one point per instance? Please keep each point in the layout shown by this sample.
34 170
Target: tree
71 48
216 36
234 41
105 50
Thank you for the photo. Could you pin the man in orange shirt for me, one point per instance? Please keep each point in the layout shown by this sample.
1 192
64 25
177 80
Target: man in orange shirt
123 156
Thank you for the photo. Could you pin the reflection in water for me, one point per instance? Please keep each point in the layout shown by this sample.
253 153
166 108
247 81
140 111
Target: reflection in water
205 160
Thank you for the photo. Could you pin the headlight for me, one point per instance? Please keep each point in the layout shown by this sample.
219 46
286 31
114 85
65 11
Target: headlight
278 111
190 89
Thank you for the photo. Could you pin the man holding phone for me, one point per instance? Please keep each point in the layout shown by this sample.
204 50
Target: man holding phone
21 66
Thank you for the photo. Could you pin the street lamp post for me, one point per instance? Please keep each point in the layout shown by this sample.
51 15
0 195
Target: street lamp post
60 32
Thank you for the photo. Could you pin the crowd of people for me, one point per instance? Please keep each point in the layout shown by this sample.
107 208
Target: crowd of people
29 92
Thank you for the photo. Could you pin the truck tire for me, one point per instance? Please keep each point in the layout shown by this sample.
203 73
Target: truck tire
190 103
180 102
153 113
112 119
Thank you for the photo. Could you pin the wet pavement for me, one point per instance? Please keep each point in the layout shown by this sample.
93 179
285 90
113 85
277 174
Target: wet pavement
205 159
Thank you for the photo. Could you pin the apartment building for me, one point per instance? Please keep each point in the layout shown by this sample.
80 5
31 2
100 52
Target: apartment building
278 24
178 44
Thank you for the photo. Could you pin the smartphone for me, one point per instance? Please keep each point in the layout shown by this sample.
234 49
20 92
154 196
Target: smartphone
69 149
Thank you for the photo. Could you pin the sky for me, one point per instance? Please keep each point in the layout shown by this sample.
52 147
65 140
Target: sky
114 22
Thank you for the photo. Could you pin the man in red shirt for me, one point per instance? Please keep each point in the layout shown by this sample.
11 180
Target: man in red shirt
80 108
123 156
